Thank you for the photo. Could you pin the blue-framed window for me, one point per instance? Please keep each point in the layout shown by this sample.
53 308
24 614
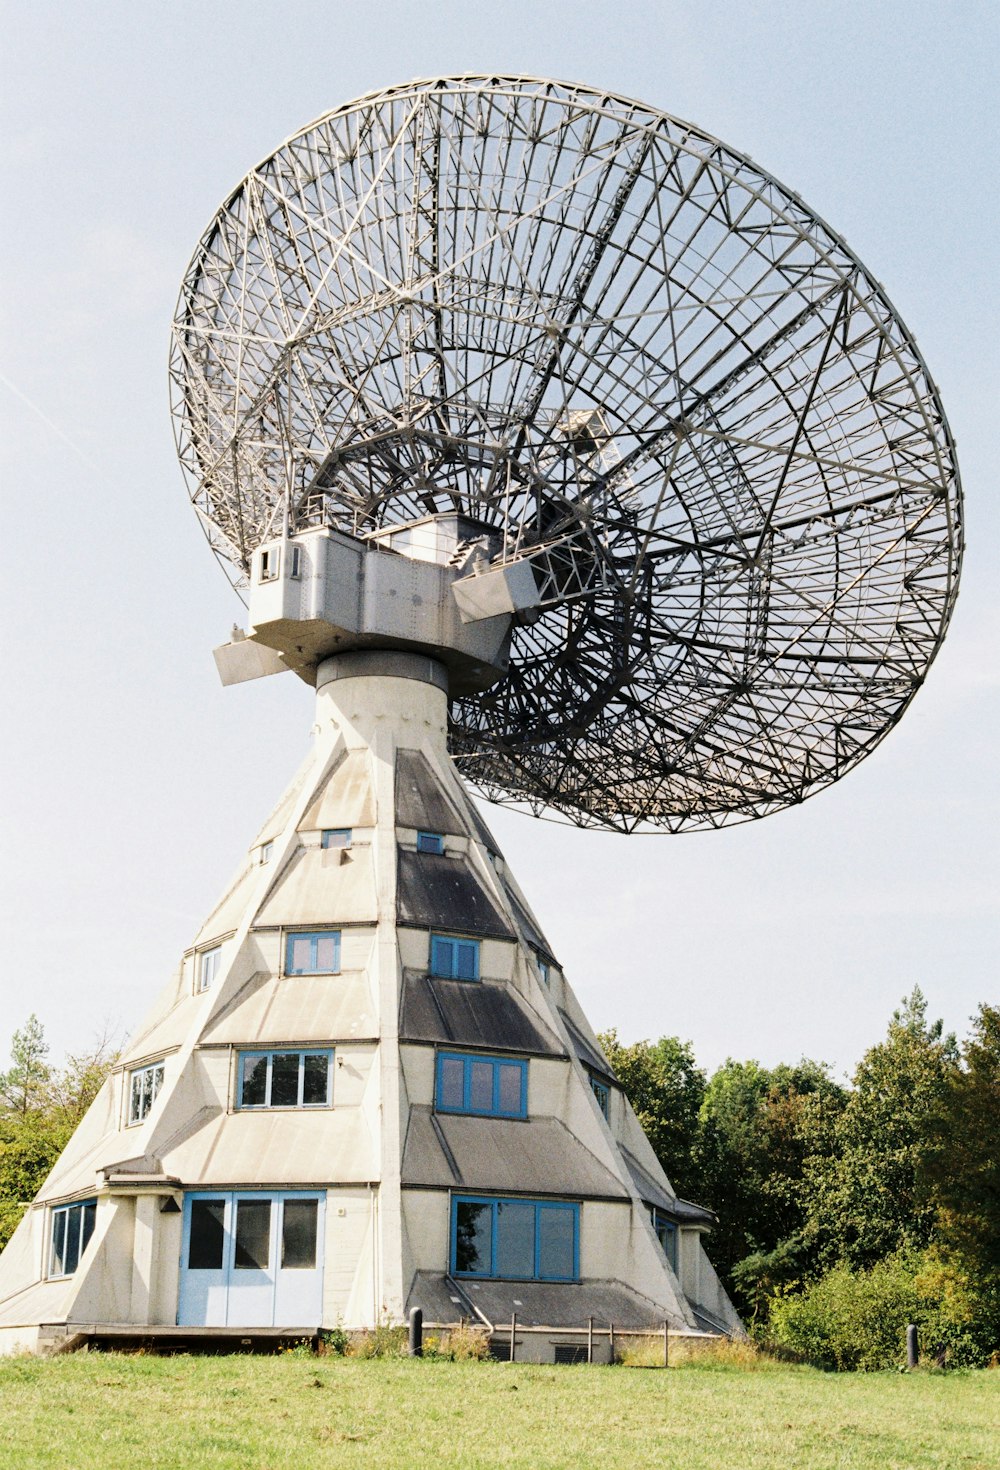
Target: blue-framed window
602 1092
208 966
666 1234
316 952
430 842
336 837
495 1087
72 1227
515 1239
453 958
285 1079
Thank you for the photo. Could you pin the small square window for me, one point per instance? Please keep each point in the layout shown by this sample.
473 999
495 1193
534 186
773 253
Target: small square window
295 568
144 1084
208 966
336 837
453 958
270 563
313 953
430 842
267 848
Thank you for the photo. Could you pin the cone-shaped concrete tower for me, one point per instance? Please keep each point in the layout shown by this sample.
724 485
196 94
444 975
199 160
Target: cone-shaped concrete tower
368 1087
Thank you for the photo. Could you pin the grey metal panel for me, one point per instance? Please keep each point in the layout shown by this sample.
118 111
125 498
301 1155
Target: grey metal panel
438 892
586 1050
472 1013
537 1303
421 800
501 1156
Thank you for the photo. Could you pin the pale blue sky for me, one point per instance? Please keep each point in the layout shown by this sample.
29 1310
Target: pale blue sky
133 781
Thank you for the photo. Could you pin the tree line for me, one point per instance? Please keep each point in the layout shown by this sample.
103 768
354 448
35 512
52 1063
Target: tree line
844 1212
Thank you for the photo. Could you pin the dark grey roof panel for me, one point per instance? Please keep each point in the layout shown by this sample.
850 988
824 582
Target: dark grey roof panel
438 892
647 1186
527 925
472 1013
537 1303
481 830
692 1214
586 1050
655 1193
502 1156
421 801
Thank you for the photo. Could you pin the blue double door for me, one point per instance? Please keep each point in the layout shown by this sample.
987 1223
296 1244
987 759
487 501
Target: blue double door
252 1259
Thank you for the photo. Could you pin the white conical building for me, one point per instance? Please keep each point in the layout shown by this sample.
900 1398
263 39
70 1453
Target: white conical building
368 1087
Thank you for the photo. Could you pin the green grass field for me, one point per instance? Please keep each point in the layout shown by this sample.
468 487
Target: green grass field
271 1413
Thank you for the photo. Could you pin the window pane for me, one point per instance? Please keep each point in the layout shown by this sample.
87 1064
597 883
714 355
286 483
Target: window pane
299 953
510 1088
317 1072
327 952
72 1241
430 842
298 1234
157 1074
254 1094
338 837
481 1087
555 1242
135 1099
515 1238
468 955
89 1220
253 1234
284 1079
451 1082
442 956
56 1267
473 1228
207 1235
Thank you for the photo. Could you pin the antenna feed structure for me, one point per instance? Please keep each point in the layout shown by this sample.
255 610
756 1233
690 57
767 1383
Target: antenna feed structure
560 390
323 593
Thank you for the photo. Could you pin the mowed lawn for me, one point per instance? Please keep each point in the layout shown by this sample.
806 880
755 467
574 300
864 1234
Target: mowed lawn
270 1413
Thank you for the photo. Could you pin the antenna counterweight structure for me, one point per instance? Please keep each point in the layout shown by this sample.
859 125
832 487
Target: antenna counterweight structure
649 383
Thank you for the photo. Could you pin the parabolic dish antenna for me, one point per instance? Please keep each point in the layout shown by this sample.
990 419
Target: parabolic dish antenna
644 376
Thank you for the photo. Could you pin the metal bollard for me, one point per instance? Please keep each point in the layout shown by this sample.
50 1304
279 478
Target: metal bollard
912 1346
415 1345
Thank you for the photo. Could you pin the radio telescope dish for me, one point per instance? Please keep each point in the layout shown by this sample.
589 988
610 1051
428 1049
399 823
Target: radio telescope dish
645 374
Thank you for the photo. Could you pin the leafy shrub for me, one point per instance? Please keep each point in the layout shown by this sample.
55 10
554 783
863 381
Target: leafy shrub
857 1319
335 1341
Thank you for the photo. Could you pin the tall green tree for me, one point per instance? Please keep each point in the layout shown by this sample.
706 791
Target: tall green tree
865 1201
24 1088
39 1108
665 1086
760 1130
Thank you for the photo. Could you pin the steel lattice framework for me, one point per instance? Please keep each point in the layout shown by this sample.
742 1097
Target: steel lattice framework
641 363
